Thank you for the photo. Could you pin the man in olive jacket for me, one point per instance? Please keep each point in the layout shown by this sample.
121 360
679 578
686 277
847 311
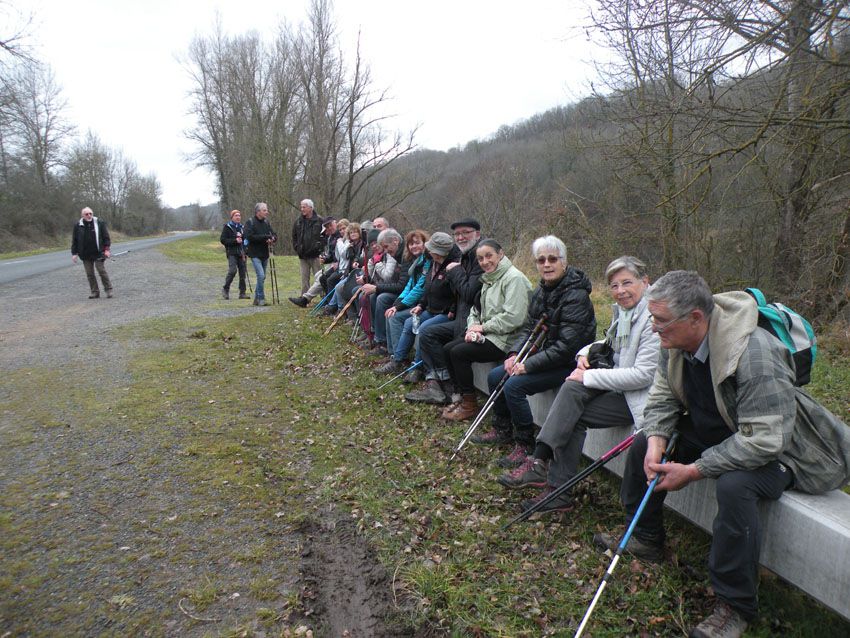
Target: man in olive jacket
307 242
727 387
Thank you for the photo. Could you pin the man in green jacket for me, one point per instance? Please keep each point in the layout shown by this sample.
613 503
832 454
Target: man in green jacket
727 387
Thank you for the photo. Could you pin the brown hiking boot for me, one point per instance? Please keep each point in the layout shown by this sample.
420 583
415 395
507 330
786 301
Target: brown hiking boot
467 408
724 622
639 549
432 392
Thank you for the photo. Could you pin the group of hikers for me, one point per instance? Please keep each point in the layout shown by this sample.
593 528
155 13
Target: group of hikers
677 363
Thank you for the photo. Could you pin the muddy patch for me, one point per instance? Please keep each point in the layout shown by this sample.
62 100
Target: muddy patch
346 590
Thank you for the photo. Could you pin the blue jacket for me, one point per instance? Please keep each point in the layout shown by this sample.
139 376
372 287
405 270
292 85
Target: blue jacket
415 286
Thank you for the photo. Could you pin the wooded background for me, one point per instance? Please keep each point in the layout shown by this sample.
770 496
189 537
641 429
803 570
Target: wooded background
715 138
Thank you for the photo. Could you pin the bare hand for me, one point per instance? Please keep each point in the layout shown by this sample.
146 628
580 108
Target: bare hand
416 310
471 336
655 446
476 327
577 375
582 363
509 363
74 258
519 368
674 476
390 312
368 289
107 252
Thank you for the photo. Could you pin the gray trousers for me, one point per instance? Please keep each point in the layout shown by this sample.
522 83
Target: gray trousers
90 265
308 268
577 408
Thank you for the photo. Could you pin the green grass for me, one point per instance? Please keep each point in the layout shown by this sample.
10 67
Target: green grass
263 423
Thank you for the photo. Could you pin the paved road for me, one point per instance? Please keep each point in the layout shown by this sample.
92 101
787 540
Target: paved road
14 269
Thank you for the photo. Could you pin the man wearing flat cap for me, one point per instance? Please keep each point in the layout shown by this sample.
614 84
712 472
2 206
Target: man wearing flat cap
465 280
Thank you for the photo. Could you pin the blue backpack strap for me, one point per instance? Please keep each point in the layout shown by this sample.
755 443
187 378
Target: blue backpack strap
758 296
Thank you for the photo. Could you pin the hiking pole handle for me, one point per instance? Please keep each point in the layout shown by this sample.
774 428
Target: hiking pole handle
400 374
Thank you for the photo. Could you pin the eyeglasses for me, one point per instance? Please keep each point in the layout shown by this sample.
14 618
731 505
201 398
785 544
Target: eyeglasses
661 327
628 283
464 233
552 259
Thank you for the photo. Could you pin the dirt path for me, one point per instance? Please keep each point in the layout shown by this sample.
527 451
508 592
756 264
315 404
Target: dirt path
105 529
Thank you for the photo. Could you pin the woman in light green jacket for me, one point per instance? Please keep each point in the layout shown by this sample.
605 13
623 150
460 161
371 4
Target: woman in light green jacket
492 327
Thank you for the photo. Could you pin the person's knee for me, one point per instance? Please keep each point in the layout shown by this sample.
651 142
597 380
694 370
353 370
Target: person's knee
730 489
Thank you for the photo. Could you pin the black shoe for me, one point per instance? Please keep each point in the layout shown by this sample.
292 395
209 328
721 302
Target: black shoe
645 551
560 504
414 376
94 295
243 295
225 293
109 294
301 302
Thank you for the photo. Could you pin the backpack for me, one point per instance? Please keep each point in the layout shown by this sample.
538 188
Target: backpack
792 329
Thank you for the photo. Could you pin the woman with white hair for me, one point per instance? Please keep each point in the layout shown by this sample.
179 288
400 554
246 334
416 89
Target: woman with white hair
563 296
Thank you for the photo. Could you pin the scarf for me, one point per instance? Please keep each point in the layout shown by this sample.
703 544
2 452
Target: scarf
624 328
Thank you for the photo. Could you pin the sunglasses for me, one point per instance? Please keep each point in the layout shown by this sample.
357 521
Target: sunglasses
552 259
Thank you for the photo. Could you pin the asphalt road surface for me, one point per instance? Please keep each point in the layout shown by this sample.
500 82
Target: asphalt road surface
14 269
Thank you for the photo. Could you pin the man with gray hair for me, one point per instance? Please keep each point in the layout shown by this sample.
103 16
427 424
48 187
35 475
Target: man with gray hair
727 387
307 242
90 243
260 236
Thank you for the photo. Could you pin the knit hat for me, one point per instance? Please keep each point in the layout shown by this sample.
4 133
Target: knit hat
439 244
372 236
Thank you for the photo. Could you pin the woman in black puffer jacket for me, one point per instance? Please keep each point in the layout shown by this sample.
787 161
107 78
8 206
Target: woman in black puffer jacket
564 296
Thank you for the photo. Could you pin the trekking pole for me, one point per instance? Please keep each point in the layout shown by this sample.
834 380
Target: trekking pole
533 342
342 312
123 252
275 291
315 309
625 541
355 331
247 278
615 451
400 374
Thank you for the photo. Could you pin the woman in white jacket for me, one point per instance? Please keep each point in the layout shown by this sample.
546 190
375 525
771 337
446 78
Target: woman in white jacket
596 397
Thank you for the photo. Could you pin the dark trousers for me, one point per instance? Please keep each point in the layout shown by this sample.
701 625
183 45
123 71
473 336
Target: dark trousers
575 409
460 356
90 265
736 540
432 338
234 263
512 402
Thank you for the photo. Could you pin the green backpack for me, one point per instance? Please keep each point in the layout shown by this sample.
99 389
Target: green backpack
793 330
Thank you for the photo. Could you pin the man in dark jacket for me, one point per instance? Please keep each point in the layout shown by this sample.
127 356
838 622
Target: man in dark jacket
260 235
330 236
234 248
307 242
90 243
465 280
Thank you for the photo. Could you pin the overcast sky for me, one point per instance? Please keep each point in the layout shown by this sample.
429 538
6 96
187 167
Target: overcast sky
458 68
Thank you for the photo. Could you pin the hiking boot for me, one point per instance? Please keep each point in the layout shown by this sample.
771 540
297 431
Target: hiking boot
560 504
724 622
430 393
531 473
467 408
649 552
391 367
243 295
380 350
514 458
330 311
260 302
94 295
225 293
414 376
492 437
301 302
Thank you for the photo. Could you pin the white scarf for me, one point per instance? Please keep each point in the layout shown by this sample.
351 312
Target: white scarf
96 230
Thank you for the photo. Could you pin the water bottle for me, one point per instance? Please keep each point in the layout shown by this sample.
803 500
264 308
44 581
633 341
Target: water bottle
414 324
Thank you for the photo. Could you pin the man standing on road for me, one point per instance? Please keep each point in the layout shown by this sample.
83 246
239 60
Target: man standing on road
307 242
727 387
234 248
91 244
260 235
